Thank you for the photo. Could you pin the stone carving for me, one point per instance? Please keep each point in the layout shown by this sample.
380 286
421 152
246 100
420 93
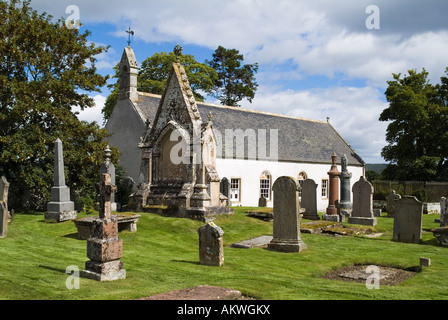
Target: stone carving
345 204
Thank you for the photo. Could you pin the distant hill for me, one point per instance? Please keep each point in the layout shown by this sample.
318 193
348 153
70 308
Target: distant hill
377 167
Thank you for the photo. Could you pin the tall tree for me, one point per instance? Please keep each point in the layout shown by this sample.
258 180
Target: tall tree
417 134
154 72
44 68
235 80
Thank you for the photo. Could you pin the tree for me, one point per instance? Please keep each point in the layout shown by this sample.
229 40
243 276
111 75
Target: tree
235 81
154 72
417 134
44 67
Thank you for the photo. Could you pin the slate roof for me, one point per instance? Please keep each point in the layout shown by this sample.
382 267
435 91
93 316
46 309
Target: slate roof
299 140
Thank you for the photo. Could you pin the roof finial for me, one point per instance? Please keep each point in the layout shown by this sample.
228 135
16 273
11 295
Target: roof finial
178 52
129 32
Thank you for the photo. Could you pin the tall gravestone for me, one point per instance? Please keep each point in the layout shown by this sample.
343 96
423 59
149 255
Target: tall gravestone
345 204
390 203
408 220
443 212
4 190
108 167
224 188
211 250
309 199
362 212
60 208
286 235
333 213
104 248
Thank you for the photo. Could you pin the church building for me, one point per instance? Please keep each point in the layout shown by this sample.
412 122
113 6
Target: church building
177 148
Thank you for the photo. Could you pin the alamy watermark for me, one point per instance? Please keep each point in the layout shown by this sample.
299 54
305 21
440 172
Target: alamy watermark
373 20
72 281
73 21
373 281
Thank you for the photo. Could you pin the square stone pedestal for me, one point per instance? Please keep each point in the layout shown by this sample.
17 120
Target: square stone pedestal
287 245
363 220
333 217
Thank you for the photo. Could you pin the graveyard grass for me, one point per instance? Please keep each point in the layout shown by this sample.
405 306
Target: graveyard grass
163 255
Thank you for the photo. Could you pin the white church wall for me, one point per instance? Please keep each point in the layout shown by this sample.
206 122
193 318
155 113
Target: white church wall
249 171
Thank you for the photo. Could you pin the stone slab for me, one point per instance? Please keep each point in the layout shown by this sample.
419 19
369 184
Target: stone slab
60 216
204 292
258 242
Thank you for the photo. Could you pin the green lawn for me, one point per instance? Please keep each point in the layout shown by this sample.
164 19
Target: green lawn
163 255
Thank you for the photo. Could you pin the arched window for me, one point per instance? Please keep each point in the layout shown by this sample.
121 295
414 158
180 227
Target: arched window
300 178
265 185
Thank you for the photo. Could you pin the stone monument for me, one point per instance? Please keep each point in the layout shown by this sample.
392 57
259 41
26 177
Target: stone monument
443 212
4 188
408 220
104 248
108 167
390 203
333 213
211 250
60 208
286 216
309 199
362 212
345 204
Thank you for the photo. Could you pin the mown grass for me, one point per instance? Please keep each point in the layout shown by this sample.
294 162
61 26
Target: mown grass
163 256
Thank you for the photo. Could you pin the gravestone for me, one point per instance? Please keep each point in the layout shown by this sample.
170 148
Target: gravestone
362 212
443 212
390 203
345 204
309 199
224 188
211 250
4 189
60 208
286 235
108 167
333 213
408 220
262 202
104 248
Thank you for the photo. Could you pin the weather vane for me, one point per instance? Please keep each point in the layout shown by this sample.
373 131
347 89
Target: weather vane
130 33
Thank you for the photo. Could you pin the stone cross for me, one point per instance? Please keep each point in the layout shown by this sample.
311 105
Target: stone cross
211 245
362 212
108 167
106 189
286 216
4 188
309 199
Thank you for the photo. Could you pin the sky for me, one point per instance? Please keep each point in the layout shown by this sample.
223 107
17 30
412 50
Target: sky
317 59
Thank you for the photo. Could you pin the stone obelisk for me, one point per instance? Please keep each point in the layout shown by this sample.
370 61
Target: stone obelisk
60 208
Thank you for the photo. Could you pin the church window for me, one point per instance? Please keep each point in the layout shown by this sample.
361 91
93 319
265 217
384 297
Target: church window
265 185
324 188
235 189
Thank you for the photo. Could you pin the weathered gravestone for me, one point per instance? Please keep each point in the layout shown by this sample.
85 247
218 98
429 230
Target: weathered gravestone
104 248
408 220
60 208
362 212
286 216
262 202
345 205
390 203
211 250
4 188
224 188
309 199
443 212
108 167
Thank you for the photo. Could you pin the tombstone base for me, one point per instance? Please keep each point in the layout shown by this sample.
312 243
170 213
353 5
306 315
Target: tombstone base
287 245
333 217
311 216
107 271
363 220
60 216
346 212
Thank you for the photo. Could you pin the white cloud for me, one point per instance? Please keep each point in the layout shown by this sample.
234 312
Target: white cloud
94 113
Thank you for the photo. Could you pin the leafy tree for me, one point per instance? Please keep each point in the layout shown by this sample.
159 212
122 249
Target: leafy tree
417 134
235 81
44 68
154 72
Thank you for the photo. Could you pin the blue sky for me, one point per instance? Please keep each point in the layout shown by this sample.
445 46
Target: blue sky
317 59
